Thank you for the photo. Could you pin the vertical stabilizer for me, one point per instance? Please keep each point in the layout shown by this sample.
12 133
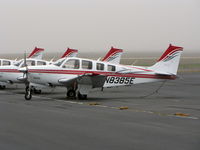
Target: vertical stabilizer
70 53
168 63
113 56
37 53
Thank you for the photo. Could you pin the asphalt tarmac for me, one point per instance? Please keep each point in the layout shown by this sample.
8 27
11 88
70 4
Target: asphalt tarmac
130 118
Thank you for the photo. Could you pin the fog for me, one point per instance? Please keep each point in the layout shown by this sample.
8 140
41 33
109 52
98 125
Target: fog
96 25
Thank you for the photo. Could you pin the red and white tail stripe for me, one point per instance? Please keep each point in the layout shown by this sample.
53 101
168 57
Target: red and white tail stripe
113 56
70 53
169 61
170 53
37 53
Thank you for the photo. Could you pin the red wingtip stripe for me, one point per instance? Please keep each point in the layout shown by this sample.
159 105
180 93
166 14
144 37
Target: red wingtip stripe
112 52
69 51
36 50
171 49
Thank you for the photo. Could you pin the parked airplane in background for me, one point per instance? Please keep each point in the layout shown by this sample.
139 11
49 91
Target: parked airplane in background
9 73
6 62
113 56
80 75
70 53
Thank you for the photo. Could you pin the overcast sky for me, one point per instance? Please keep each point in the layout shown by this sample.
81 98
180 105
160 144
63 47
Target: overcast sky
88 25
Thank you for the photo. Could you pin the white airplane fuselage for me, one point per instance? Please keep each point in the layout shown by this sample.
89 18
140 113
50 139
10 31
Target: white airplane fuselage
119 76
11 74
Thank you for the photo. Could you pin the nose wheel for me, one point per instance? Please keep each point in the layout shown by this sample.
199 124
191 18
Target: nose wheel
28 93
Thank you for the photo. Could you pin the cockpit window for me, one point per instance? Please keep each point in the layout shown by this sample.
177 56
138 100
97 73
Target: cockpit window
111 68
42 63
59 62
72 64
6 63
86 64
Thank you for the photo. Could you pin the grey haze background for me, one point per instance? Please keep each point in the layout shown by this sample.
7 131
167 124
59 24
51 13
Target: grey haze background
95 25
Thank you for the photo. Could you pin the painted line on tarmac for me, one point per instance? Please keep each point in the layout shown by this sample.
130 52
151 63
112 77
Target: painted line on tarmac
118 108
112 107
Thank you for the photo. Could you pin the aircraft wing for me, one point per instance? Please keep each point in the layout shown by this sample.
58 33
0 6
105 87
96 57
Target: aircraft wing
95 80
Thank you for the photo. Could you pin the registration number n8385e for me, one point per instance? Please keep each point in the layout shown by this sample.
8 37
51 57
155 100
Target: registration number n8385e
119 80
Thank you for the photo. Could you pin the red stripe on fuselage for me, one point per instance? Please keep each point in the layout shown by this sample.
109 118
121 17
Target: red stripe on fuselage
10 70
152 76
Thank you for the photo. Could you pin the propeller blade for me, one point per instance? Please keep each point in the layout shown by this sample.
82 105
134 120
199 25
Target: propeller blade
26 66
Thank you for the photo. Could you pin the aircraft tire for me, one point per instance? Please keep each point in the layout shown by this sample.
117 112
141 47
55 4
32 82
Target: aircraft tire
71 94
28 94
37 91
82 96
2 87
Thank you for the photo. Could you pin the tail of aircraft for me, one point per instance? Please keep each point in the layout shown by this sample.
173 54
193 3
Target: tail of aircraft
70 53
169 61
37 53
113 56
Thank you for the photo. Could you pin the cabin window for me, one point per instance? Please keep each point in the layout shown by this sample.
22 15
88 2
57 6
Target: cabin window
86 64
111 68
72 64
30 63
41 63
100 66
6 63
0 62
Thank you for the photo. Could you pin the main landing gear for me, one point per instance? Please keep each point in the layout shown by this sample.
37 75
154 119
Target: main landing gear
72 95
37 91
82 96
2 87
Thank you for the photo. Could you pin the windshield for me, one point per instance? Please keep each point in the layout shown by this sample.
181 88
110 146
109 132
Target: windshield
18 63
59 62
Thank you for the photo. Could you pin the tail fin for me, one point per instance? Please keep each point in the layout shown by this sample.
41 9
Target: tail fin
37 53
70 53
169 61
113 56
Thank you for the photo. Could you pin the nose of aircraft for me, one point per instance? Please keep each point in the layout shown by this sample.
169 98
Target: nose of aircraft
23 69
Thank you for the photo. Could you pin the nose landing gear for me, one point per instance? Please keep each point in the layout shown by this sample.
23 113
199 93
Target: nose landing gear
28 93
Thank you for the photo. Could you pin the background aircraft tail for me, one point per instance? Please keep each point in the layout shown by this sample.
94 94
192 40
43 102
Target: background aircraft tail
113 56
70 53
169 61
37 53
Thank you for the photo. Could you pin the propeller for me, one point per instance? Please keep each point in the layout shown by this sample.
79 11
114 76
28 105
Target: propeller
25 72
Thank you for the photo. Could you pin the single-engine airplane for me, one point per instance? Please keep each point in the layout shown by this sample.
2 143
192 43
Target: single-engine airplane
10 73
80 75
